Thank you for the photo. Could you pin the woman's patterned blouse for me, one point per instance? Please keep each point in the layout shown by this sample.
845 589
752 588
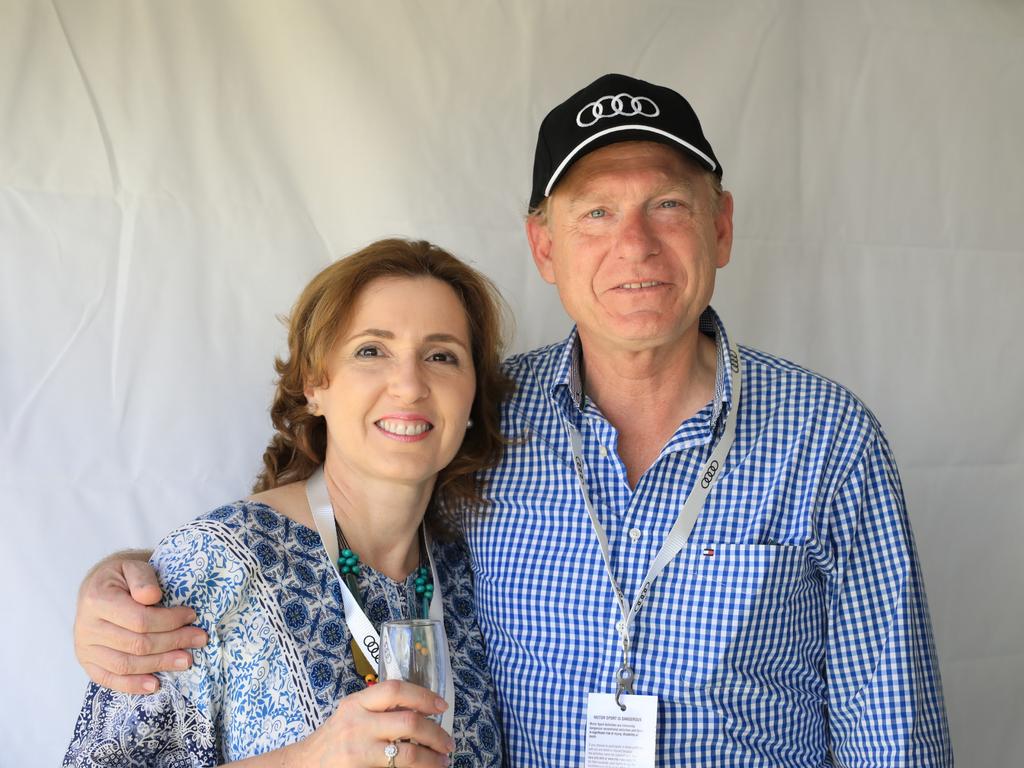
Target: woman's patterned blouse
278 661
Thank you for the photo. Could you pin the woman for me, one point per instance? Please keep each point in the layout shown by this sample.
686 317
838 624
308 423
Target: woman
391 385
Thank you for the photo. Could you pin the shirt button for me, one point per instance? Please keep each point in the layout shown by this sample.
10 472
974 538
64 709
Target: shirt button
620 626
635 534
603 451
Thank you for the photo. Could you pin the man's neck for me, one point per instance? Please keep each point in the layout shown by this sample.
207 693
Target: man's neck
647 394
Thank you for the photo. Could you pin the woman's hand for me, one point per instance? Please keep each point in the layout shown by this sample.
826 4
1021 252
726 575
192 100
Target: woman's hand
366 722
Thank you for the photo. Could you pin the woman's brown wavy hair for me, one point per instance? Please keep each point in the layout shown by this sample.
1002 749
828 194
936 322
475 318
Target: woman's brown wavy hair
319 316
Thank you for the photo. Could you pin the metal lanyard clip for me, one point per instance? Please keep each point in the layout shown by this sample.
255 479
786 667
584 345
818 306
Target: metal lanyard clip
623 683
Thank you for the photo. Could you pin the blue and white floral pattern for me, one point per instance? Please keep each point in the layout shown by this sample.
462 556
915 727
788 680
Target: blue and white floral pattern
278 660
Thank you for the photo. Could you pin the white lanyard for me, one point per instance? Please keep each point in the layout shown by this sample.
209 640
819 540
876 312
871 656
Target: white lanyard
676 538
359 626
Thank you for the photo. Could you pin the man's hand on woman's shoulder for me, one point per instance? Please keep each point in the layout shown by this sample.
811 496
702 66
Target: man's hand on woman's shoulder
121 635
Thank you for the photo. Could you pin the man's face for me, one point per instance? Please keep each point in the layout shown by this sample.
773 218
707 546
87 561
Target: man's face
632 242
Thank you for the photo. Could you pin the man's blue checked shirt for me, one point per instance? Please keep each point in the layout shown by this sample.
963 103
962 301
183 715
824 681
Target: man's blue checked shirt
792 629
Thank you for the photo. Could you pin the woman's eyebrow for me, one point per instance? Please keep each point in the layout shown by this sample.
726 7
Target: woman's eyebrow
432 337
381 334
446 337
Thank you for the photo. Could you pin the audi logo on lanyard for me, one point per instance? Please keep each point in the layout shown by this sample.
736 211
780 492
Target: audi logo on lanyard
619 105
371 645
709 475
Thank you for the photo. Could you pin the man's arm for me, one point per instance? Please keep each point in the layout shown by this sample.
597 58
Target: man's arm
121 635
885 695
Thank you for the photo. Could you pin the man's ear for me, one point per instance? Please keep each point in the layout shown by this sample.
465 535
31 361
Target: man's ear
539 235
723 230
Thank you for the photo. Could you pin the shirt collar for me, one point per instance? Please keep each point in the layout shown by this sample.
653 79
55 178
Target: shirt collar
569 374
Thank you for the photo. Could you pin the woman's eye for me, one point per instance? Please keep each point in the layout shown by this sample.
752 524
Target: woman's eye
443 357
368 351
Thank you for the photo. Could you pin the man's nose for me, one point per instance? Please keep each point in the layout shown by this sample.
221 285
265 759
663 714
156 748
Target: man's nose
637 237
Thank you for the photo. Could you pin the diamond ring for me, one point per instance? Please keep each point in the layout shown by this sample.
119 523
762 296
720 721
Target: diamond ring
391 752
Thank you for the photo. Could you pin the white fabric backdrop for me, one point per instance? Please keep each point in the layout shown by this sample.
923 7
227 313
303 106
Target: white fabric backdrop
171 174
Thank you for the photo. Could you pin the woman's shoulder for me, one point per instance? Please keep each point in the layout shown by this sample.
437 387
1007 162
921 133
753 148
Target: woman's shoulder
272 516
286 500
202 563
208 561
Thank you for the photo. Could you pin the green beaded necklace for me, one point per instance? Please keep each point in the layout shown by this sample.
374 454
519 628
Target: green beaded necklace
349 568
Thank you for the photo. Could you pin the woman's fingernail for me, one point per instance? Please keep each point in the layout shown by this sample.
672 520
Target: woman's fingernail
441 704
181 663
149 685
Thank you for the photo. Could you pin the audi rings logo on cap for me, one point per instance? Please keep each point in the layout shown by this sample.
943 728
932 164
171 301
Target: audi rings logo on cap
620 105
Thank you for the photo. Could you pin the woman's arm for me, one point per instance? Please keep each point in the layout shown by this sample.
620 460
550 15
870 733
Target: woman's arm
178 725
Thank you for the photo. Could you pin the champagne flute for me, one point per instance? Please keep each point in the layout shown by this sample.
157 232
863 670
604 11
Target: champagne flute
415 650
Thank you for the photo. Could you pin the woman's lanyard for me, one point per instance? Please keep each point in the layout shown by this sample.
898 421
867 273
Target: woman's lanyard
677 537
359 625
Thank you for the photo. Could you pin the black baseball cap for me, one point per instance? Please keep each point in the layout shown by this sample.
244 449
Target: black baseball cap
611 109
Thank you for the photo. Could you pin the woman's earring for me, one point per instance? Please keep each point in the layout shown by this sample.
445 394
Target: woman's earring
469 424
313 408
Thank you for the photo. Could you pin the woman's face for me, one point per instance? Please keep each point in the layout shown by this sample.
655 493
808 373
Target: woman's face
401 382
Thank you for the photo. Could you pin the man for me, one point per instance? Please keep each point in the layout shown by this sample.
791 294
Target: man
713 538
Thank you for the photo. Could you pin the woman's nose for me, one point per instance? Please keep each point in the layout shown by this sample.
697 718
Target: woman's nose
408 382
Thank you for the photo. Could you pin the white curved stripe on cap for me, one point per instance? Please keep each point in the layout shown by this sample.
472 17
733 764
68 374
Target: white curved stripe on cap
599 134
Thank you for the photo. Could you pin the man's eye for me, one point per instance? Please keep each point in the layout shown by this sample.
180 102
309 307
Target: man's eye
669 204
597 213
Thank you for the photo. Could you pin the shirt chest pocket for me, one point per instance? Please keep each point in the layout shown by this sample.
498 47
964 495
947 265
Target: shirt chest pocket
730 608
747 569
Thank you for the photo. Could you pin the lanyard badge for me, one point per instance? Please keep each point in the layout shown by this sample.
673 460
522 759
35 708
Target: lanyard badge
625 675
